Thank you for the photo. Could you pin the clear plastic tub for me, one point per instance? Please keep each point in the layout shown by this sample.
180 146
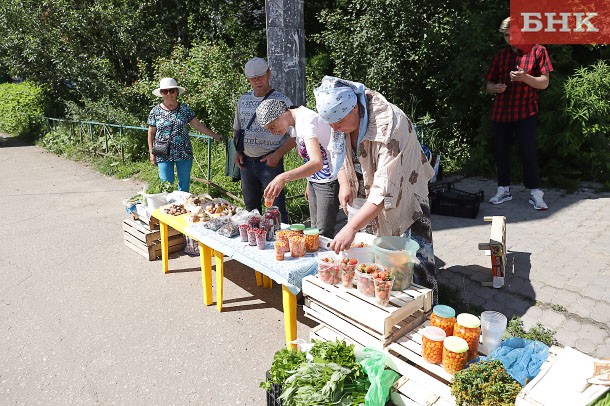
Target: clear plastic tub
348 271
328 268
297 245
383 288
398 255
364 278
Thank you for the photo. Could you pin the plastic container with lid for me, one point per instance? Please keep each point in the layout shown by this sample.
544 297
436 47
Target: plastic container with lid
399 256
298 228
444 317
432 344
312 239
468 327
455 354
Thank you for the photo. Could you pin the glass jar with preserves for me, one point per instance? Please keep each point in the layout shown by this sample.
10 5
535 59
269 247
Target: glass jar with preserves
272 213
312 239
455 352
298 228
444 317
468 327
432 344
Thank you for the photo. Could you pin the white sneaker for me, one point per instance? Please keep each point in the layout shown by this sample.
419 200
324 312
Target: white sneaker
502 195
537 201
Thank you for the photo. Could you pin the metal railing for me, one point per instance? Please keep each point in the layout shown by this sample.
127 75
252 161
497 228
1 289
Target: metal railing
113 136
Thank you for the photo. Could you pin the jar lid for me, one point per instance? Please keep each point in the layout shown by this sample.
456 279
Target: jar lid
455 344
468 320
311 231
446 312
297 227
434 333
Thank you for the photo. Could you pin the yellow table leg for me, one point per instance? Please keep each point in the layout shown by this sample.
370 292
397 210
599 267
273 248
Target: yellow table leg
265 281
290 315
259 278
205 256
164 247
219 278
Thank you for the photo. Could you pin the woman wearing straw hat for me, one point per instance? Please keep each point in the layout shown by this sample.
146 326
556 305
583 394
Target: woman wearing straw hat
383 162
167 122
318 148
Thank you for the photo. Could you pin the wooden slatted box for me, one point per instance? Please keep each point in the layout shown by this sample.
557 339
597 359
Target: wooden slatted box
415 387
146 242
359 317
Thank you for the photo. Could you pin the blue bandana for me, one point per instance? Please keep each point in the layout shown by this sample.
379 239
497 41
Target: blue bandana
334 99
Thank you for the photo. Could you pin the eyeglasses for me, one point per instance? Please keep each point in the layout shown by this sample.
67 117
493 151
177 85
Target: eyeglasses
166 91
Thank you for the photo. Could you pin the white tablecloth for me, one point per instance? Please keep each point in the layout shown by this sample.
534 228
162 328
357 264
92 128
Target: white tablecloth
289 272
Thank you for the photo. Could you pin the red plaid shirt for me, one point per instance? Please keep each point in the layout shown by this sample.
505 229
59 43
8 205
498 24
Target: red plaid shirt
519 101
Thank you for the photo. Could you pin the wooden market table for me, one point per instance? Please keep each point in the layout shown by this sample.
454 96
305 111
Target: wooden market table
211 244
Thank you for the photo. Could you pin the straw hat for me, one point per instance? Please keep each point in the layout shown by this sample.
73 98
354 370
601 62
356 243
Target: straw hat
167 83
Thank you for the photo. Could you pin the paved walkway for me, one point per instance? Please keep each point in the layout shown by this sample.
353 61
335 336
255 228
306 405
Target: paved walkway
84 320
558 265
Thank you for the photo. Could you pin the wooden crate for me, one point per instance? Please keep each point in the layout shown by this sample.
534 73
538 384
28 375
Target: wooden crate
359 317
151 222
408 348
146 242
564 374
415 387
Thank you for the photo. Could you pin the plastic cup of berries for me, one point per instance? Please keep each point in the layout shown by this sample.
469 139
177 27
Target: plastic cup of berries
348 271
252 236
261 238
243 232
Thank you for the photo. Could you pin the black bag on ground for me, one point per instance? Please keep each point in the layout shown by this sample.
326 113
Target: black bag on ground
231 168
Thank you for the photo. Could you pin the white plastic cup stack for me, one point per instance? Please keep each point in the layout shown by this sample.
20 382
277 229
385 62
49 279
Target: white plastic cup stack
493 325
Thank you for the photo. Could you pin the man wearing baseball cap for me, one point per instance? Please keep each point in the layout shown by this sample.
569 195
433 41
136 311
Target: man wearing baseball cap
259 152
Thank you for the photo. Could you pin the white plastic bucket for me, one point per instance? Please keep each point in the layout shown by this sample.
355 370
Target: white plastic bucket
354 207
364 254
156 200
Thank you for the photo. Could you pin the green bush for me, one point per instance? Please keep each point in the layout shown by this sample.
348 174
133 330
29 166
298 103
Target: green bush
22 109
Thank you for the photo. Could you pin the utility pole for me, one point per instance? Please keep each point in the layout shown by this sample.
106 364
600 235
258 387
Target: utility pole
286 47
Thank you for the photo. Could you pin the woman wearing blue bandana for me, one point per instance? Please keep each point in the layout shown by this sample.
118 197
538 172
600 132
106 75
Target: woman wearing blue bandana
383 163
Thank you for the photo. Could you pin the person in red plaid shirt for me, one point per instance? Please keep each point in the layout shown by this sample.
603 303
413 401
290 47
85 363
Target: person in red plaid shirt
516 75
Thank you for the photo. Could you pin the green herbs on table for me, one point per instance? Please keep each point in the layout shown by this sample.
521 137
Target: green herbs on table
319 384
334 377
159 186
538 332
284 361
484 383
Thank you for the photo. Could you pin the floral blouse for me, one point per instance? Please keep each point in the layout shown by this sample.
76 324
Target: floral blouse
173 125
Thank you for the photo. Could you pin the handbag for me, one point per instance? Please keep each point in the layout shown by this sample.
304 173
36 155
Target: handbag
238 140
160 147
231 168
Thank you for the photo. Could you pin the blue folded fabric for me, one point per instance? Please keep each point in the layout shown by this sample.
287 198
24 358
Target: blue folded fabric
522 358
